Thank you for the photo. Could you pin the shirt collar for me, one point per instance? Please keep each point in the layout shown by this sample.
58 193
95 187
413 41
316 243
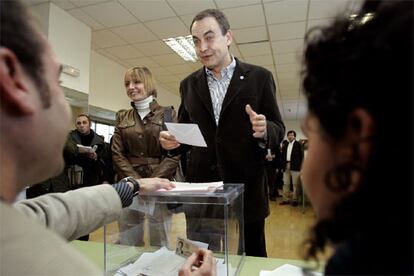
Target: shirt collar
227 71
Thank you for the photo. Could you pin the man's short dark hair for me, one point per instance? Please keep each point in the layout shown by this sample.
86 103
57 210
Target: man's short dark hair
84 115
216 14
292 131
18 35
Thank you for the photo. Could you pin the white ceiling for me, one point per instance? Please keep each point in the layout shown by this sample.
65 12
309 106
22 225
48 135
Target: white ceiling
268 33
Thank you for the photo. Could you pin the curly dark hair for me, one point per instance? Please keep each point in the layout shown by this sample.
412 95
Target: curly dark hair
366 61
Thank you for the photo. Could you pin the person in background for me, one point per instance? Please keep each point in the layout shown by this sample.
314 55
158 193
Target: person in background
82 167
292 158
137 152
86 164
279 173
108 171
89 160
34 232
273 158
234 105
358 76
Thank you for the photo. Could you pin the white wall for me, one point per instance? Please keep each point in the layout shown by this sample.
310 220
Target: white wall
106 83
294 125
107 89
100 77
166 98
70 40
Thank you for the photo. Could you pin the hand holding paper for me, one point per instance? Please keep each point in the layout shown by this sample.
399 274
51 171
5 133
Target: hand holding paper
168 141
86 149
201 262
189 134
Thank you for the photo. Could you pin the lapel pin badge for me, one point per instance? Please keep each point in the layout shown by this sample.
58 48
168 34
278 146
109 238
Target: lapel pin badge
242 77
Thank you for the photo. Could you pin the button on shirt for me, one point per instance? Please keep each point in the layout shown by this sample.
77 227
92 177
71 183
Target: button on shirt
218 87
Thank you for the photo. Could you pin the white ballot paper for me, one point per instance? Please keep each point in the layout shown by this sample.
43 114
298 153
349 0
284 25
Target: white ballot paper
161 262
189 134
164 262
206 187
288 270
87 149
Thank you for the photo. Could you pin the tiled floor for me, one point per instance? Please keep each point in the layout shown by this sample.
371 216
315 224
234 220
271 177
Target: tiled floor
286 229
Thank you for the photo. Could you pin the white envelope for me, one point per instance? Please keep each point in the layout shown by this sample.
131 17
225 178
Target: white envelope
288 270
189 134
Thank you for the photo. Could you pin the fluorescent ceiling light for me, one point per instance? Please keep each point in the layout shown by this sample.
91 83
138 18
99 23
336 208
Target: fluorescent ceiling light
183 46
365 18
70 70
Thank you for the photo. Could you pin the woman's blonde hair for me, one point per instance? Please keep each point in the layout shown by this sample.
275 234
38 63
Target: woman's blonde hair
144 75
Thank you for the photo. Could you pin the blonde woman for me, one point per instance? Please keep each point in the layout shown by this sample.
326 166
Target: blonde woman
136 152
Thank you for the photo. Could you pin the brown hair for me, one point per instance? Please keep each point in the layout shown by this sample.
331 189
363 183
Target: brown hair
144 75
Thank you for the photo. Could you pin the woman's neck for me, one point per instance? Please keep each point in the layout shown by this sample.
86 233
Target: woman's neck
143 104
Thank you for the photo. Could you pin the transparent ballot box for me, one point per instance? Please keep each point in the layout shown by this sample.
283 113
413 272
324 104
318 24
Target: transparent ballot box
158 231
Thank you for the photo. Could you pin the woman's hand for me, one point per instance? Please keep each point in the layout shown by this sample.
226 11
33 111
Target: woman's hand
200 263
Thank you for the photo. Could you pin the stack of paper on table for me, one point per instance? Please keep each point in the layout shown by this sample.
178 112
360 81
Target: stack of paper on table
195 187
163 262
288 270
147 205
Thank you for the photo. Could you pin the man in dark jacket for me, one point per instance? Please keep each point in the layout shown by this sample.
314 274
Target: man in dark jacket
273 164
84 157
292 157
234 105
89 159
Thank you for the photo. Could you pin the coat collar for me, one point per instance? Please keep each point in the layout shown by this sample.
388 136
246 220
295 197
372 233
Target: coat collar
201 88
153 105
240 77
130 117
76 137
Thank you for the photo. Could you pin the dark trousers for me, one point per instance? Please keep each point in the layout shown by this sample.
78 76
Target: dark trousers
205 223
271 178
254 239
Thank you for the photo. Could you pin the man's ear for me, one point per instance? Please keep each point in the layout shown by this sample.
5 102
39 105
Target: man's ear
229 37
15 94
